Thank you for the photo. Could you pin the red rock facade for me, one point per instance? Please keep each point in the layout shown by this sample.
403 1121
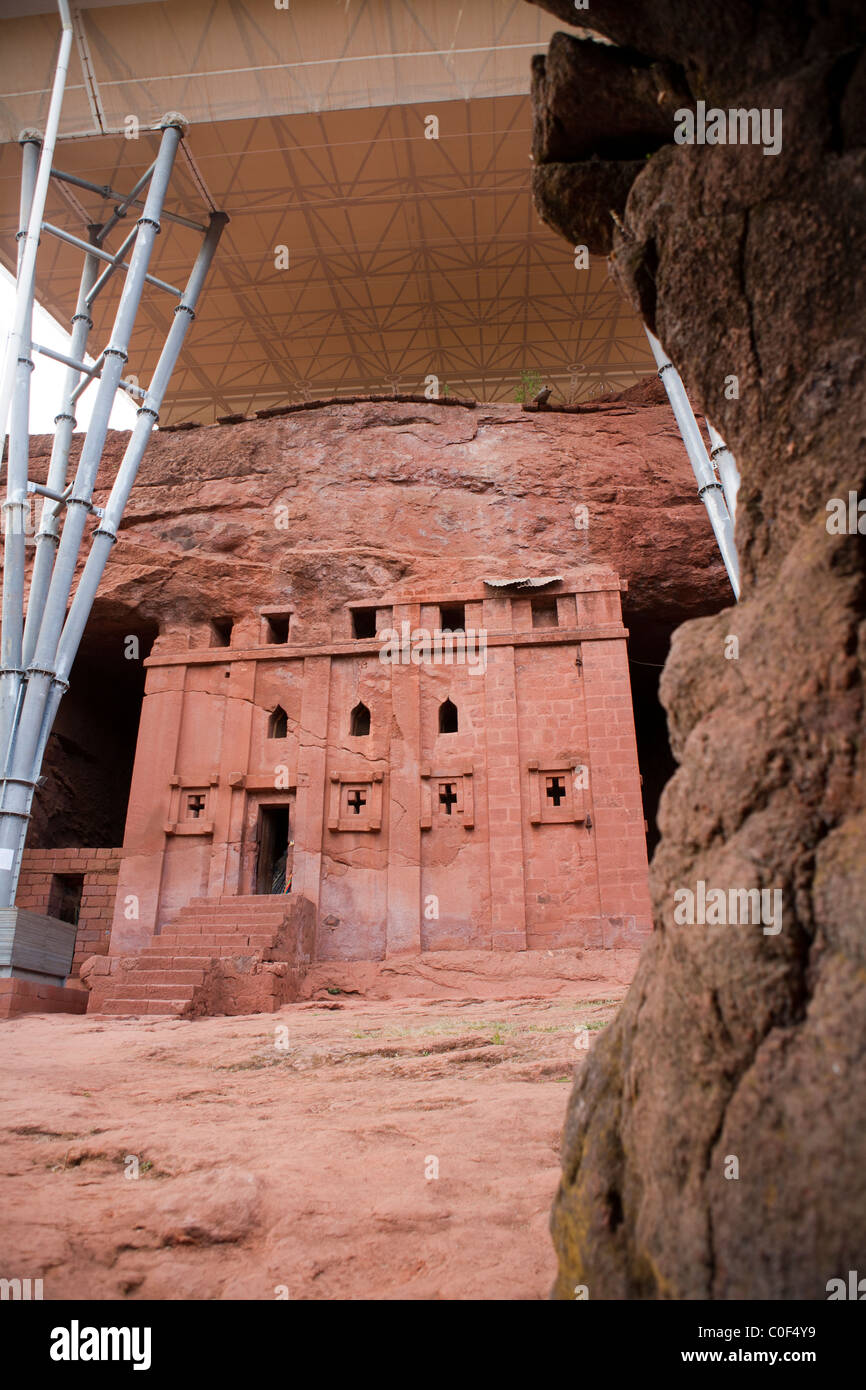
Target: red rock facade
486 797
300 729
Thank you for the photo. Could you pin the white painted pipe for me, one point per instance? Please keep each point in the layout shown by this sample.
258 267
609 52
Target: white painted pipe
727 469
709 490
27 264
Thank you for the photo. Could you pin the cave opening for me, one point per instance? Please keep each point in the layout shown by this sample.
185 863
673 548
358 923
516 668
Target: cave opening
648 646
87 769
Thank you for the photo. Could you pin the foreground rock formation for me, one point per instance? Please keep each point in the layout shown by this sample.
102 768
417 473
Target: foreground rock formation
734 1043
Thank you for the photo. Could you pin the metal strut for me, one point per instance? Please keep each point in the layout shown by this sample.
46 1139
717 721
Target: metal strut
39 647
713 494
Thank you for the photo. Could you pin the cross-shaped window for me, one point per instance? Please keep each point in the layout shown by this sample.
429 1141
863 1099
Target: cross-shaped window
447 796
356 800
555 789
195 805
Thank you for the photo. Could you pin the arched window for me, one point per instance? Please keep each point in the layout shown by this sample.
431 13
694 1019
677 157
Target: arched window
359 722
448 721
278 723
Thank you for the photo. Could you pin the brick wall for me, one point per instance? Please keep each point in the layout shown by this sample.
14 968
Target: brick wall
99 868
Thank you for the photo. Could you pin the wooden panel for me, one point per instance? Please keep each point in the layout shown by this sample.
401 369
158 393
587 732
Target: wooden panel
29 941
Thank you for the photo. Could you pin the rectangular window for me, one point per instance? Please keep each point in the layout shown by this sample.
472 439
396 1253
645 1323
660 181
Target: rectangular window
452 617
363 622
221 632
64 899
276 627
544 612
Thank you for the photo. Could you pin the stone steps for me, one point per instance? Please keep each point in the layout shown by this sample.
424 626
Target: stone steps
190 955
176 963
133 1007
171 975
259 904
223 925
218 943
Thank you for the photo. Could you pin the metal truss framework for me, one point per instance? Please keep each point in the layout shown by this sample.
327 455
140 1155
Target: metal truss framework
409 256
41 638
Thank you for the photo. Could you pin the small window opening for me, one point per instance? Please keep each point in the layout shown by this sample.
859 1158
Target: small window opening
452 617
363 622
195 805
359 722
356 800
448 719
278 723
544 612
447 796
221 632
556 789
64 898
277 628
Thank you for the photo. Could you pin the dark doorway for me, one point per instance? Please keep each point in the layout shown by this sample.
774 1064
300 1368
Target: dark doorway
649 642
274 866
87 769
64 898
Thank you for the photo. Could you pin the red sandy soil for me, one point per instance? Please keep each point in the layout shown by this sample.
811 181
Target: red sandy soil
268 1173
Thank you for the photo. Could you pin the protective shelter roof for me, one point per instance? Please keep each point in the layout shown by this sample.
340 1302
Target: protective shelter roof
408 257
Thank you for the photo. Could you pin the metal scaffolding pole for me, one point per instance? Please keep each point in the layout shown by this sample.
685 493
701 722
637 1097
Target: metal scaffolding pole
78 504
106 534
16 505
710 490
38 653
726 466
47 537
30 245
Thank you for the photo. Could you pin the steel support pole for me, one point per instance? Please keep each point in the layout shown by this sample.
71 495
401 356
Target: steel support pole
709 490
30 142
106 534
47 537
22 766
91 453
17 504
27 264
148 414
727 469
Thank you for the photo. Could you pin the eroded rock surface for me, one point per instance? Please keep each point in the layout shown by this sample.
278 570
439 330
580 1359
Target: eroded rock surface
226 518
736 1043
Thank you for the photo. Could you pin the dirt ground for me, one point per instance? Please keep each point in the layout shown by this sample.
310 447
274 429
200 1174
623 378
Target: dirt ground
336 1149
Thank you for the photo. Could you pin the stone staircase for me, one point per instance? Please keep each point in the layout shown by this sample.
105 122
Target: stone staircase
226 955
